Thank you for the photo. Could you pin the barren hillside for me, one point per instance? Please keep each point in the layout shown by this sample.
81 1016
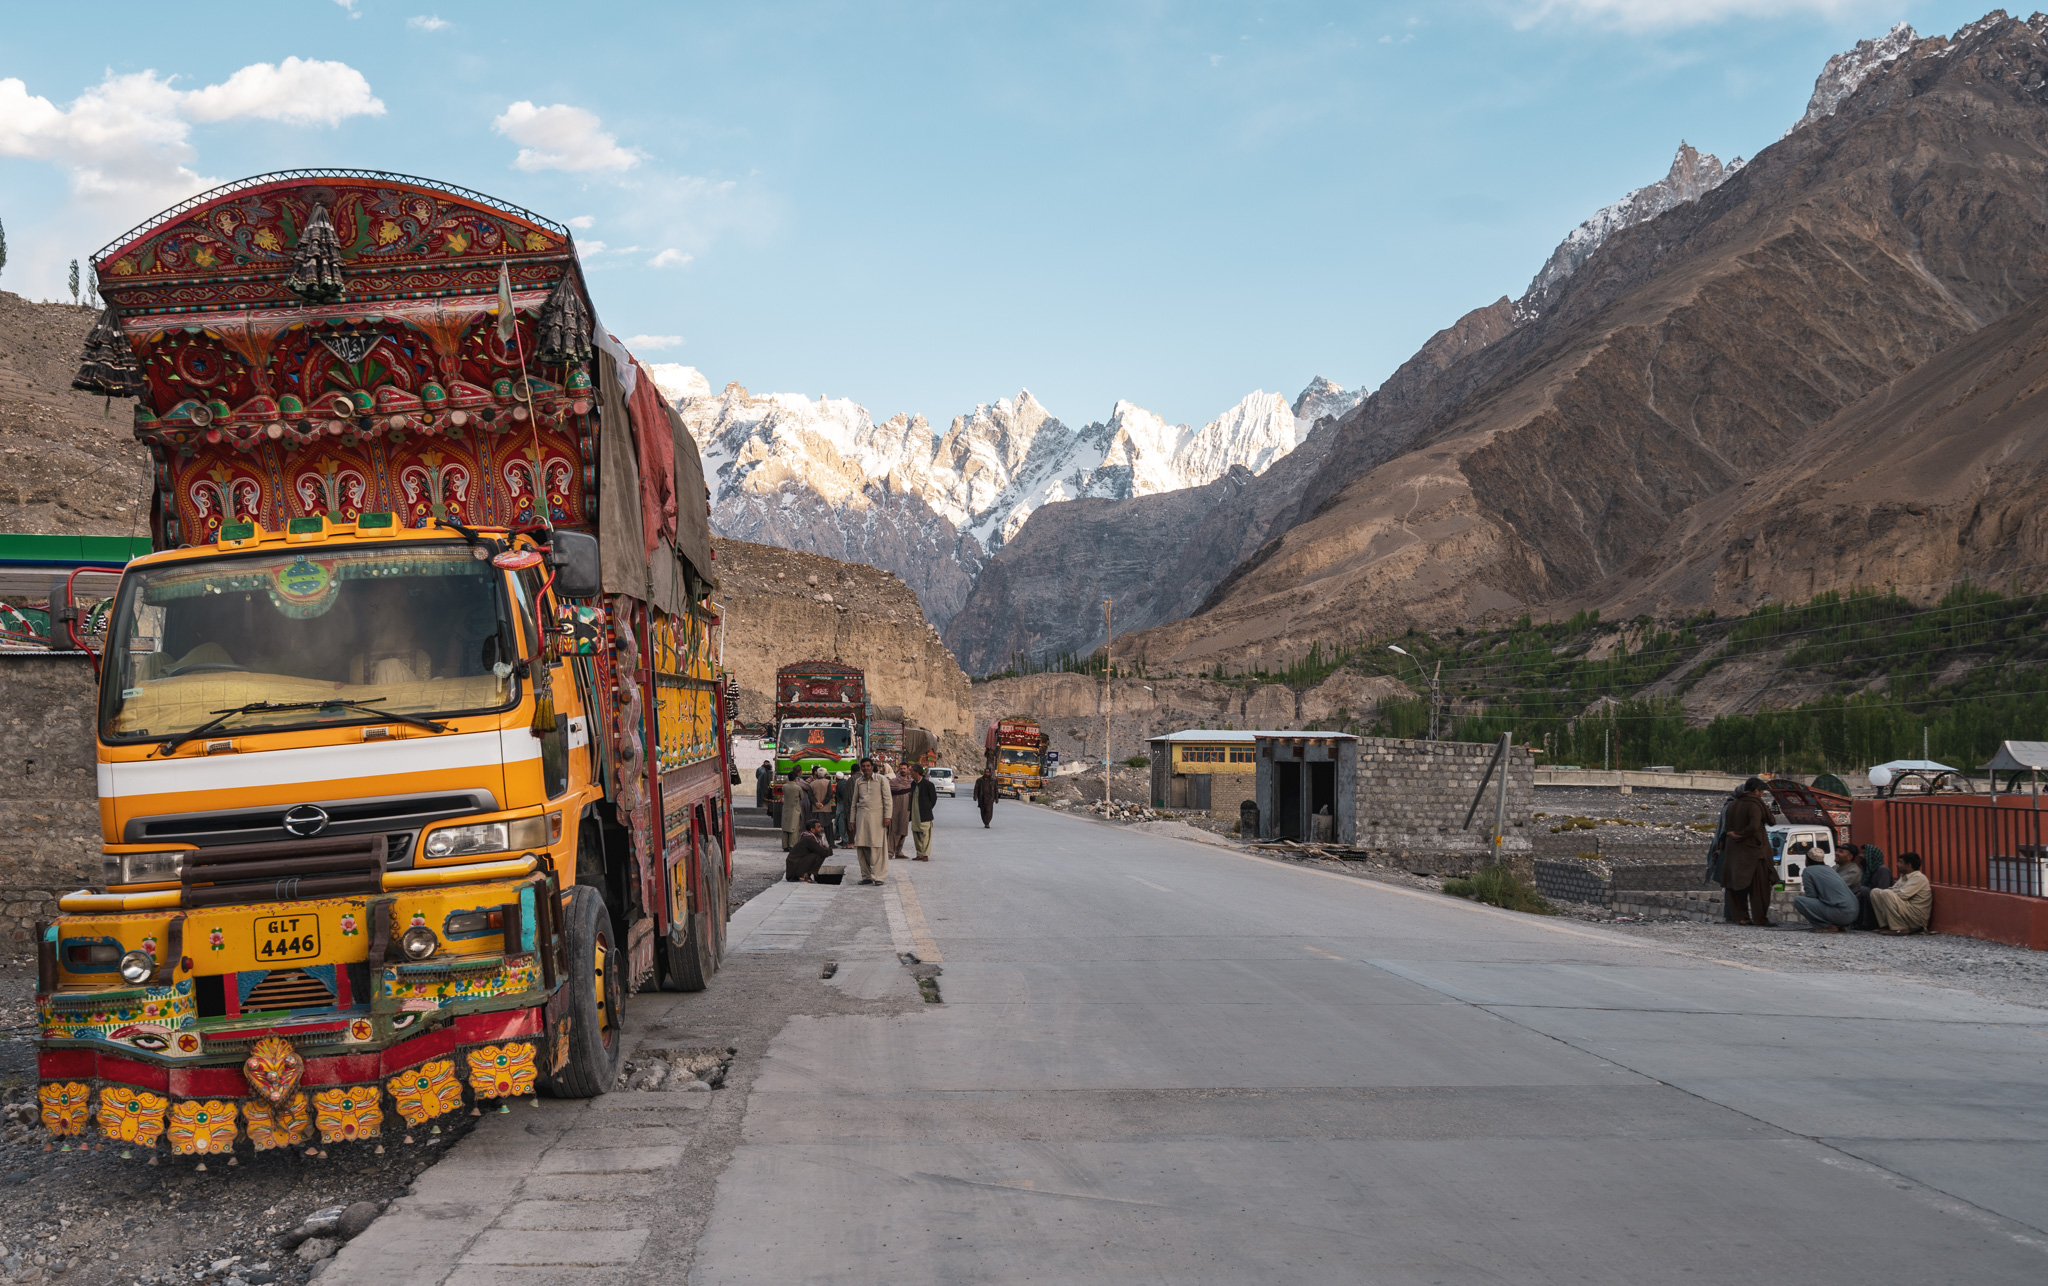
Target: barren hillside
1692 356
69 462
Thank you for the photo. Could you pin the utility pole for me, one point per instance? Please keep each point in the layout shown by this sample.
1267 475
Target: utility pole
1108 666
1436 701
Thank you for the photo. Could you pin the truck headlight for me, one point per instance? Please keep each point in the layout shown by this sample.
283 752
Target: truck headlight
418 942
136 966
141 868
488 837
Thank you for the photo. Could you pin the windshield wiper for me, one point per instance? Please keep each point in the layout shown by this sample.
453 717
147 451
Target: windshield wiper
222 716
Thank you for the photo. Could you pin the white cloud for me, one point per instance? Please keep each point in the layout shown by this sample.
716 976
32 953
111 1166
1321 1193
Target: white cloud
670 258
583 221
654 341
591 248
128 138
349 5
1644 15
297 91
422 22
561 137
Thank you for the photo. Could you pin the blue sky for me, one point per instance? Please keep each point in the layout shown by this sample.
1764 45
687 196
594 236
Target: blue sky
925 206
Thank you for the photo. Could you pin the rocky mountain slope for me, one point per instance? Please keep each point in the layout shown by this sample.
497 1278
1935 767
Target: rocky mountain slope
825 476
69 461
1583 454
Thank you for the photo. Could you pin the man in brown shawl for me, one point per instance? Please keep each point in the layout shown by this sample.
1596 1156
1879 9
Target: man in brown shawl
985 797
899 805
1907 906
870 823
1747 872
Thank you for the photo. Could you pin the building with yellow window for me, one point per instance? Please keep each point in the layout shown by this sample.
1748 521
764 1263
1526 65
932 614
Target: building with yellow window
1204 769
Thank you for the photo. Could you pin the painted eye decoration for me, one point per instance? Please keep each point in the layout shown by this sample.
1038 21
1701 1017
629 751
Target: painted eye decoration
151 1038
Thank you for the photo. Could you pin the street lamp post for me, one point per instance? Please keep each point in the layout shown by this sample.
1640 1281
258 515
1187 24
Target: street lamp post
1435 683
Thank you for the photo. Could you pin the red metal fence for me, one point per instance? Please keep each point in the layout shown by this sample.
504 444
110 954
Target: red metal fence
1956 836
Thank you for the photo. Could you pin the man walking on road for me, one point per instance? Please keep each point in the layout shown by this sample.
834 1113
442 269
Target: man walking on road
764 776
924 799
871 823
1747 873
985 797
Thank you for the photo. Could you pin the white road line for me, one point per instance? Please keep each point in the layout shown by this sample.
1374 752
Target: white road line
1149 884
899 927
913 919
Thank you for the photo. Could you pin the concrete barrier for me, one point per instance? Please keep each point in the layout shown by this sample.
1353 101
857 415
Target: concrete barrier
1618 779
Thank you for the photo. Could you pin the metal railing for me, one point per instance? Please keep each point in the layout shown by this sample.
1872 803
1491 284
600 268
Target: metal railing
1958 839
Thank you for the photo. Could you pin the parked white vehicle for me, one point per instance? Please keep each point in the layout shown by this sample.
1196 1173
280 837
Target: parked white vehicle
1786 838
942 781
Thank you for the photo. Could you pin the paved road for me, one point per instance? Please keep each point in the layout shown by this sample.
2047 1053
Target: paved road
1159 1061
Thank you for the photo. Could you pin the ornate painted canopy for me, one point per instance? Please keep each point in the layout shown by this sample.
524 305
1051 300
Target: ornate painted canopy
327 342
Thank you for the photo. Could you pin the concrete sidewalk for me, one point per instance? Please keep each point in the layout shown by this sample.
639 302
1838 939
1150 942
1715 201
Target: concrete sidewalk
573 1191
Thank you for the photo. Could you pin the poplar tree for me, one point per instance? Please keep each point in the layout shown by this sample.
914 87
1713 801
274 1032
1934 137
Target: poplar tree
74 281
3 247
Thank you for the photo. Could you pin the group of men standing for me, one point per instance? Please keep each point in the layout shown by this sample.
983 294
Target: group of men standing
1856 891
875 814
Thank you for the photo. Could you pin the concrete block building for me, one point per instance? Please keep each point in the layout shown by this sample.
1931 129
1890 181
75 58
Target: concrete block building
1204 769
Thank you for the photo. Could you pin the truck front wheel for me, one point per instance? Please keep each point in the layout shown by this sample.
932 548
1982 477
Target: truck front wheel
596 998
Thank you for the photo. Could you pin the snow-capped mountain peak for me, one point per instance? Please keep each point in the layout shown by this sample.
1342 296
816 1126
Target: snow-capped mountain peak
781 464
1693 174
1323 397
678 382
1846 71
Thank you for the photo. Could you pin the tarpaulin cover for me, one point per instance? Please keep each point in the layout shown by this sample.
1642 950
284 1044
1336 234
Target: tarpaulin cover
642 558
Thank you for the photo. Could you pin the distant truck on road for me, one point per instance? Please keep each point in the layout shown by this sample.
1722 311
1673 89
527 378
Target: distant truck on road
1014 751
821 718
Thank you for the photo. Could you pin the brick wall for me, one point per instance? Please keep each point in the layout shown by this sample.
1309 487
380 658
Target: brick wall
49 800
1228 790
1412 796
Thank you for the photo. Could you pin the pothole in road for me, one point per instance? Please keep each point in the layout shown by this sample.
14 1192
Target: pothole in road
652 1069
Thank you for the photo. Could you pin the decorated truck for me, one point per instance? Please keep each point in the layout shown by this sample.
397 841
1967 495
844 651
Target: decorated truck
409 734
1014 751
821 718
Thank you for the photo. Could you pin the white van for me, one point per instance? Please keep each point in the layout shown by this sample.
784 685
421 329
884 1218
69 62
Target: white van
1786 837
941 780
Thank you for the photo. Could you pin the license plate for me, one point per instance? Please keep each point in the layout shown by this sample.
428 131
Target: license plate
287 937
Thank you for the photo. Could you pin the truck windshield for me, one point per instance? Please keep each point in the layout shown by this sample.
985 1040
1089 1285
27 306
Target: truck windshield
1014 755
815 741
410 628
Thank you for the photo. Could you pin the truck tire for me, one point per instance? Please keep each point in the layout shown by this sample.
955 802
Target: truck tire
596 998
689 951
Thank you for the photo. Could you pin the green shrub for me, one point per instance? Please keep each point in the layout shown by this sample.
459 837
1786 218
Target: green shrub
1498 885
1138 761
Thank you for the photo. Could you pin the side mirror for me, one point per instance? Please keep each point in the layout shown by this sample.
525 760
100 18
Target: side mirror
573 555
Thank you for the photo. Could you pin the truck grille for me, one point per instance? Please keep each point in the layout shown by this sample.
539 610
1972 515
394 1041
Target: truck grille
399 816
310 868
289 989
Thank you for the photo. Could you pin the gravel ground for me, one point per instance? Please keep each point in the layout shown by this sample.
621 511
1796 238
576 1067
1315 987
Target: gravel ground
1650 816
94 1217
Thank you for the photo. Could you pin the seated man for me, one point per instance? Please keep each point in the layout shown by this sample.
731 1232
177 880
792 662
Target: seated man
1849 865
1827 903
1907 906
807 854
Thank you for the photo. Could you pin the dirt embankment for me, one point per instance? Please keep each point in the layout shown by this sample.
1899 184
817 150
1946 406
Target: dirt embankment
782 606
69 462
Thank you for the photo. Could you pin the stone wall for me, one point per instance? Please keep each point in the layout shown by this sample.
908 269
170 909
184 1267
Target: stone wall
1412 796
49 798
